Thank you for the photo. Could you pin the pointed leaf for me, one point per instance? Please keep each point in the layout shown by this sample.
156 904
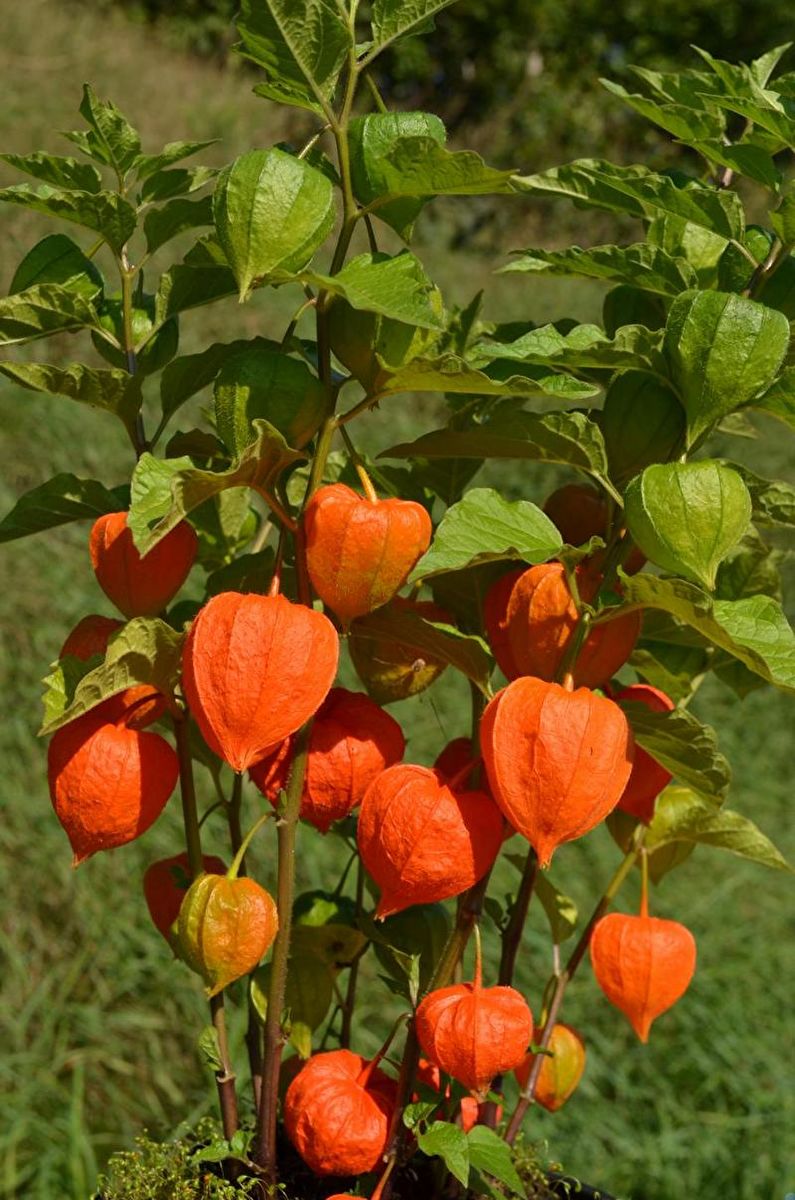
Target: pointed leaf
483 527
167 185
301 44
642 266
44 309
60 172
396 18
149 164
113 391
452 374
490 1153
443 643
59 501
680 743
448 1142
105 213
395 287
420 166
57 259
683 816
561 911
162 224
583 347
119 140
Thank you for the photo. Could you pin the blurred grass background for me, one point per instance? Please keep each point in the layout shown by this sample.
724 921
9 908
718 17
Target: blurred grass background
98 1025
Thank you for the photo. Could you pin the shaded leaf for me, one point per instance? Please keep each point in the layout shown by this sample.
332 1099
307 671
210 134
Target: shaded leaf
443 643
113 391
648 267
105 213
162 224
57 259
60 172
448 1142
59 501
44 309
680 743
490 1153
683 816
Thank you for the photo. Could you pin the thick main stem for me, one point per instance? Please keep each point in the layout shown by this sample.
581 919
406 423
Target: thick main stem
265 1145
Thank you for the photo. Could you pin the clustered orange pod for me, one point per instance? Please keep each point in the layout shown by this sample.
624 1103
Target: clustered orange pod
456 756
560 1072
90 636
648 777
140 587
421 841
474 1033
351 743
254 669
136 706
557 761
642 964
224 928
542 618
108 783
165 884
359 552
495 621
470 1107
337 1113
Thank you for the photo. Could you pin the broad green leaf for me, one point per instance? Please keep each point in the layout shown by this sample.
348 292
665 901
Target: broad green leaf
307 998
301 44
448 1142
57 259
187 286
686 517
583 347
113 391
685 239
680 743
60 172
643 266
483 527
763 111
419 932
392 19
120 141
562 437
683 816
43 309
167 185
224 525
105 213
751 161
641 193
443 643
272 211
753 630
490 1153
783 220
396 287
371 139
420 166
245 574
773 500
452 374
184 377
764 66
642 423
146 650
267 384
59 501
166 490
175 216
150 164
561 911
779 399
752 569
722 350
686 122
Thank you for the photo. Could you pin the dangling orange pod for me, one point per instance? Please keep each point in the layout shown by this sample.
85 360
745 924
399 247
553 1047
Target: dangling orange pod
474 1033
136 706
470 1108
140 587
254 669
90 636
557 761
108 783
560 1073
648 777
224 928
542 619
165 884
642 964
421 841
360 552
351 743
337 1113
495 621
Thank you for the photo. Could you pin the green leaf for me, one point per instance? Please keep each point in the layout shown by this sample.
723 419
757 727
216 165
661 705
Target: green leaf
753 630
750 570
448 1142
779 399
145 650
162 224
452 374
583 347
167 185
641 193
372 138
642 423
301 44
165 491
421 166
105 213
60 172
443 643
44 309
396 18
488 1152
119 141
210 1052
686 517
150 164
783 220
561 911
267 384
113 391
307 998
246 573
272 211
184 377
722 350
684 239
563 437
683 816
59 501
187 286
773 500
751 161
684 121
643 266
483 527
57 259
680 743
396 287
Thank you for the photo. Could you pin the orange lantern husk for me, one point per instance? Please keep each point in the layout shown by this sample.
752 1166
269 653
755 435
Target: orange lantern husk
337 1113
352 742
423 841
561 1070
648 777
495 621
165 883
140 587
557 761
255 669
359 552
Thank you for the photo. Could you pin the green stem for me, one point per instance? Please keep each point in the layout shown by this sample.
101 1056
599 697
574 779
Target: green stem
349 1007
561 983
237 864
265 1143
